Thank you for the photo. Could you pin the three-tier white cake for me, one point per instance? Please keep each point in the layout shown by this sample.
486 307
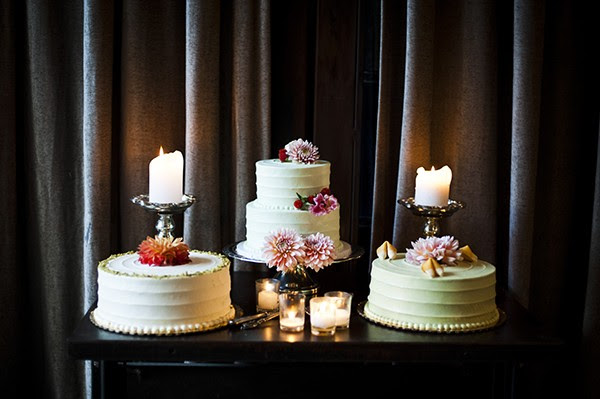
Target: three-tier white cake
278 185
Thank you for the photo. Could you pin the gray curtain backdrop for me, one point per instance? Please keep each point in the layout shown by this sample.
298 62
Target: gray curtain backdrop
506 94
90 90
503 92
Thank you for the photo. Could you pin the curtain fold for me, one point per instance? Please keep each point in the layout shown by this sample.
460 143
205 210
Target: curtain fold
505 97
203 124
90 91
527 81
53 190
12 288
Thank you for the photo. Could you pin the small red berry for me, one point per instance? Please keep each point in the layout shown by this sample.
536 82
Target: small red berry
311 199
326 191
298 204
282 155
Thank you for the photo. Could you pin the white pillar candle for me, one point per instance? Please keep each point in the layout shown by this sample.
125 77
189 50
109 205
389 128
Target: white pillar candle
166 178
268 299
433 186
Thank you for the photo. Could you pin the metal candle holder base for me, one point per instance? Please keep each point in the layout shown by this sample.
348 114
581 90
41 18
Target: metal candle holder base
165 224
433 214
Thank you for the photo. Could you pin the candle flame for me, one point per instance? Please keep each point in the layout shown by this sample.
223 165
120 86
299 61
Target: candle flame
161 152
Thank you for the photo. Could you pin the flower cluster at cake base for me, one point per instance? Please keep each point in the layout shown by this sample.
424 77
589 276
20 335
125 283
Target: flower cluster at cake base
300 151
285 249
163 251
319 204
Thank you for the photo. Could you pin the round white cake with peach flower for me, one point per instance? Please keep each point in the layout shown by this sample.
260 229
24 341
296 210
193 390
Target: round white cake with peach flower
163 289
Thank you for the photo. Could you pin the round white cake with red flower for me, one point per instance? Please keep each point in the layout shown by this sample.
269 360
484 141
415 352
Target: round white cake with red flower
293 192
436 286
163 289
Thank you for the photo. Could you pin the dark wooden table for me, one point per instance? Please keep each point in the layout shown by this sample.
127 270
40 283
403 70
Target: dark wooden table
267 362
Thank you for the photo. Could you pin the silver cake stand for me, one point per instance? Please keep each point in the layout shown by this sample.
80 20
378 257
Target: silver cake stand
231 250
299 280
432 214
165 224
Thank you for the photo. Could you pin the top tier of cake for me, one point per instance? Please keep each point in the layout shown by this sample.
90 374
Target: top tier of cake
129 265
278 183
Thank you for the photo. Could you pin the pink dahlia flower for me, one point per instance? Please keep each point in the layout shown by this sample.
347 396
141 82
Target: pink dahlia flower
319 251
283 249
323 204
302 151
443 249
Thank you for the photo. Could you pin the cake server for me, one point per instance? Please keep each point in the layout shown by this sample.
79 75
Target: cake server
257 322
245 319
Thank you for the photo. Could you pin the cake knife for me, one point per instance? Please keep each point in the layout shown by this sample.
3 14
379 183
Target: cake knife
257 322
245 319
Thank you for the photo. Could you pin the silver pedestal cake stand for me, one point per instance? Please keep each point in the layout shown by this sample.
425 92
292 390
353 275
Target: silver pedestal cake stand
298 281
165 224
433 214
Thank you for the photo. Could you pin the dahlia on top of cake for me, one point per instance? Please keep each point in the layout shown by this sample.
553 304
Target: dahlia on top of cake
435 286
163 289
292 191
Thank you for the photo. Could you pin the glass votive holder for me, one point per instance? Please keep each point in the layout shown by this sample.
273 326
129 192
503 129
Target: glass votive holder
267 294
291 311
343 302
322 316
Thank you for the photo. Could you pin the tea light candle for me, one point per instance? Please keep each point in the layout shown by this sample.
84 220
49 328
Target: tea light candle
433 186
290 321
322 319
267 300
323 315
166 178
291 311
342 317
267 294
342 301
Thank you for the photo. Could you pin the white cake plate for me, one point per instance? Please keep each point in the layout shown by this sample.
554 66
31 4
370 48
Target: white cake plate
235 311
237 251
457 329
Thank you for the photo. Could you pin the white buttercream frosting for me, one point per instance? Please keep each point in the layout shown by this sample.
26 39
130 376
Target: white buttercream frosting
277 186
277 183
139 299
401 295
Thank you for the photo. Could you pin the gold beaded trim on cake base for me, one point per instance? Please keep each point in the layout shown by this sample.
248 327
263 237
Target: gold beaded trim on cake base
98 321
497 319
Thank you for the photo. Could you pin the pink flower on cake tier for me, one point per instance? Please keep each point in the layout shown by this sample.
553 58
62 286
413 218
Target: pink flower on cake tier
322 204
302 151
319 251
283 249
443 249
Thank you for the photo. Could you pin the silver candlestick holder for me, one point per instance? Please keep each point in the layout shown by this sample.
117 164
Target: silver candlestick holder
165 224
433 214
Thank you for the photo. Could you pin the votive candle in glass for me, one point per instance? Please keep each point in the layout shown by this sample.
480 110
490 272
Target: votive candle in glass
343 302
291 311
267 294
322 316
